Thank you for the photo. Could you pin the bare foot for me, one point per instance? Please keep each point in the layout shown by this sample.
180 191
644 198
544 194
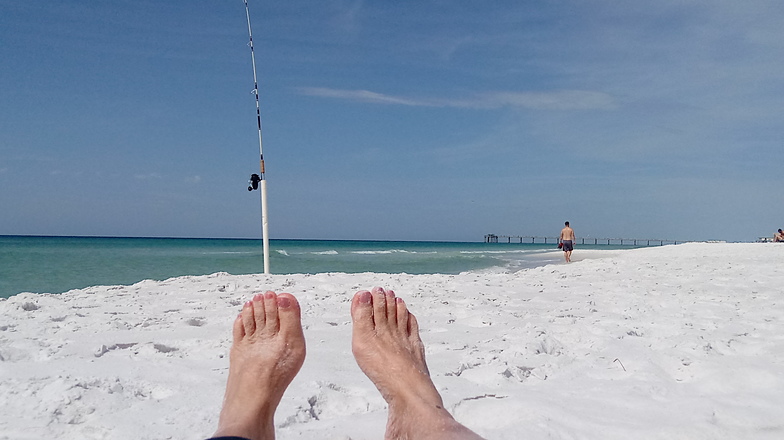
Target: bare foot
388 349
267 352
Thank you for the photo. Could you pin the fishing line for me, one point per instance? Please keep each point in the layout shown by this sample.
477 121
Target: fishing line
259 181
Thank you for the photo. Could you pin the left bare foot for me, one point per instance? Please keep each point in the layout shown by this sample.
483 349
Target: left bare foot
268 350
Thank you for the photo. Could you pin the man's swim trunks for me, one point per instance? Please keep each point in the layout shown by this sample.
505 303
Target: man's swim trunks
568 245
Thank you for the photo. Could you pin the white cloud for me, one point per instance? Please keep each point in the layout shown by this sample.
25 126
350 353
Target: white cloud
555 100
147 176
362 96
347 19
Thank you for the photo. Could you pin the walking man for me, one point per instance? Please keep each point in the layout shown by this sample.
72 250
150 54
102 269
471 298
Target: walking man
567 241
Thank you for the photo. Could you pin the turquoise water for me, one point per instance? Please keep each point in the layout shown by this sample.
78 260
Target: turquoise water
59 264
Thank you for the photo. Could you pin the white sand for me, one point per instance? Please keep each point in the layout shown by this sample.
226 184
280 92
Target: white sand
677 342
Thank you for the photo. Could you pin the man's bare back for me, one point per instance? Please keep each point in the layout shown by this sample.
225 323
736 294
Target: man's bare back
567 241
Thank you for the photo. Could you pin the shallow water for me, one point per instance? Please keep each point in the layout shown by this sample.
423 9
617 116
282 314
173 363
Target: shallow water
59 264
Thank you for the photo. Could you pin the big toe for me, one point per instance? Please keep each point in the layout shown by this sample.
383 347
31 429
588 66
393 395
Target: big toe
289 313
362 310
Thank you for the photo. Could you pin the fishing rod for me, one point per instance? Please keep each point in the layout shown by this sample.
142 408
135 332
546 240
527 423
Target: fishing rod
259 181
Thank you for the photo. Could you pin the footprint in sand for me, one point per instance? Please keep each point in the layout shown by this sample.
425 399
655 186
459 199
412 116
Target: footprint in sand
332 401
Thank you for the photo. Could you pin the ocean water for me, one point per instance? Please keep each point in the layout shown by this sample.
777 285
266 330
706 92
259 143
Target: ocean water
59 264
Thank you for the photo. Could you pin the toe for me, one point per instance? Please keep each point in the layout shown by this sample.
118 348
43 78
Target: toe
362 310
248 320
289 313
238 329
413 326
402 315
391 307
271 324
379 306
259 317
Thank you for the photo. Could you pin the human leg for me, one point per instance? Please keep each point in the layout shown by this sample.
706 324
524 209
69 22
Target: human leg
568 247
388 349
268 350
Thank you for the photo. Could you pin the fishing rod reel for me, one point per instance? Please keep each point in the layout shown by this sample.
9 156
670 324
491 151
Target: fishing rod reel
253 183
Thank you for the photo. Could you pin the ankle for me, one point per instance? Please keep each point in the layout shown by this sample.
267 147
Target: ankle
250 421
421 421
255 430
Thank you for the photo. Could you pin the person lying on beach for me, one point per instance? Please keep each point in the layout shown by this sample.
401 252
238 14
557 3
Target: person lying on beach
268 350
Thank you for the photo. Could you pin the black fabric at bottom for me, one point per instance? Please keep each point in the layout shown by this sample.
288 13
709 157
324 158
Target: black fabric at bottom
228 438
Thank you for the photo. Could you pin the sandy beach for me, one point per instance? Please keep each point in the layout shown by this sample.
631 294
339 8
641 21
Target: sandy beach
673 342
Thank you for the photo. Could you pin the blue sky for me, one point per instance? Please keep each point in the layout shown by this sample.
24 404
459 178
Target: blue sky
407 120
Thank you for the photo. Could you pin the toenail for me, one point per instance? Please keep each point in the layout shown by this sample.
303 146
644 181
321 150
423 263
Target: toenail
365 297
284 302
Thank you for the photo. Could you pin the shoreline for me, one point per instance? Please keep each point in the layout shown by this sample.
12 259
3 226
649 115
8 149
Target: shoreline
541 259
56 265
651 343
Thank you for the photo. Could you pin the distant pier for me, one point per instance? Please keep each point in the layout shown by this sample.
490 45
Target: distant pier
493 238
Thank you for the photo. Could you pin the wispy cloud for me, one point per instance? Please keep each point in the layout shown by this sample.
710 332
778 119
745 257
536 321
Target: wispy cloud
363 96
555 100
147 176
347 19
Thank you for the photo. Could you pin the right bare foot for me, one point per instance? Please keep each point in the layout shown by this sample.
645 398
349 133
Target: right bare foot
388 349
